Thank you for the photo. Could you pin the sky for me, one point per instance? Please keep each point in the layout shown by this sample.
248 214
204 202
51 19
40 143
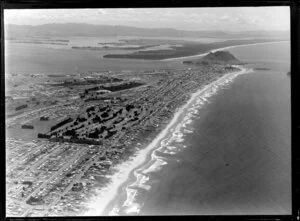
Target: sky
225 19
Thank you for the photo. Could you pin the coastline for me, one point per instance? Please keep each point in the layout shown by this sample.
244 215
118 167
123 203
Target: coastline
100 204
220 49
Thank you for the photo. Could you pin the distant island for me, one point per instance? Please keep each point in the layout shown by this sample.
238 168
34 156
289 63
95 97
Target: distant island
113 47
39 42
262 69
219 57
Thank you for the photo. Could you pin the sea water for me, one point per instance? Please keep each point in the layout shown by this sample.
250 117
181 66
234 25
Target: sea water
231 152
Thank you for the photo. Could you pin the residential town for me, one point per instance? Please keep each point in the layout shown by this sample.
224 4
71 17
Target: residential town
64 139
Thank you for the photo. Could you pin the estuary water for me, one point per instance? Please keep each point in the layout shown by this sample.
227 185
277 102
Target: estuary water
229 154
25 58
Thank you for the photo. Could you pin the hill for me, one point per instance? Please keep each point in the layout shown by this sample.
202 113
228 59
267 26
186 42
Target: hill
89 30
218 57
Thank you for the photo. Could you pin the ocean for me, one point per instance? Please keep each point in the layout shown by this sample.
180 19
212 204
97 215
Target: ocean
230 153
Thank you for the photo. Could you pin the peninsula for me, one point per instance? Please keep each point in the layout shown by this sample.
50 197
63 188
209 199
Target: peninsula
106 116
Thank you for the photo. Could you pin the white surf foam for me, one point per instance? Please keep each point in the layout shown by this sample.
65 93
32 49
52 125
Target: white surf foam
99 202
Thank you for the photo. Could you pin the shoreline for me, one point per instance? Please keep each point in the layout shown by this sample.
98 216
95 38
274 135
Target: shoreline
100 203
221 49
137 180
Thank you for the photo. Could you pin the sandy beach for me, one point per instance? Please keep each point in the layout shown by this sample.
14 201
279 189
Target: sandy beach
219 49
104 198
